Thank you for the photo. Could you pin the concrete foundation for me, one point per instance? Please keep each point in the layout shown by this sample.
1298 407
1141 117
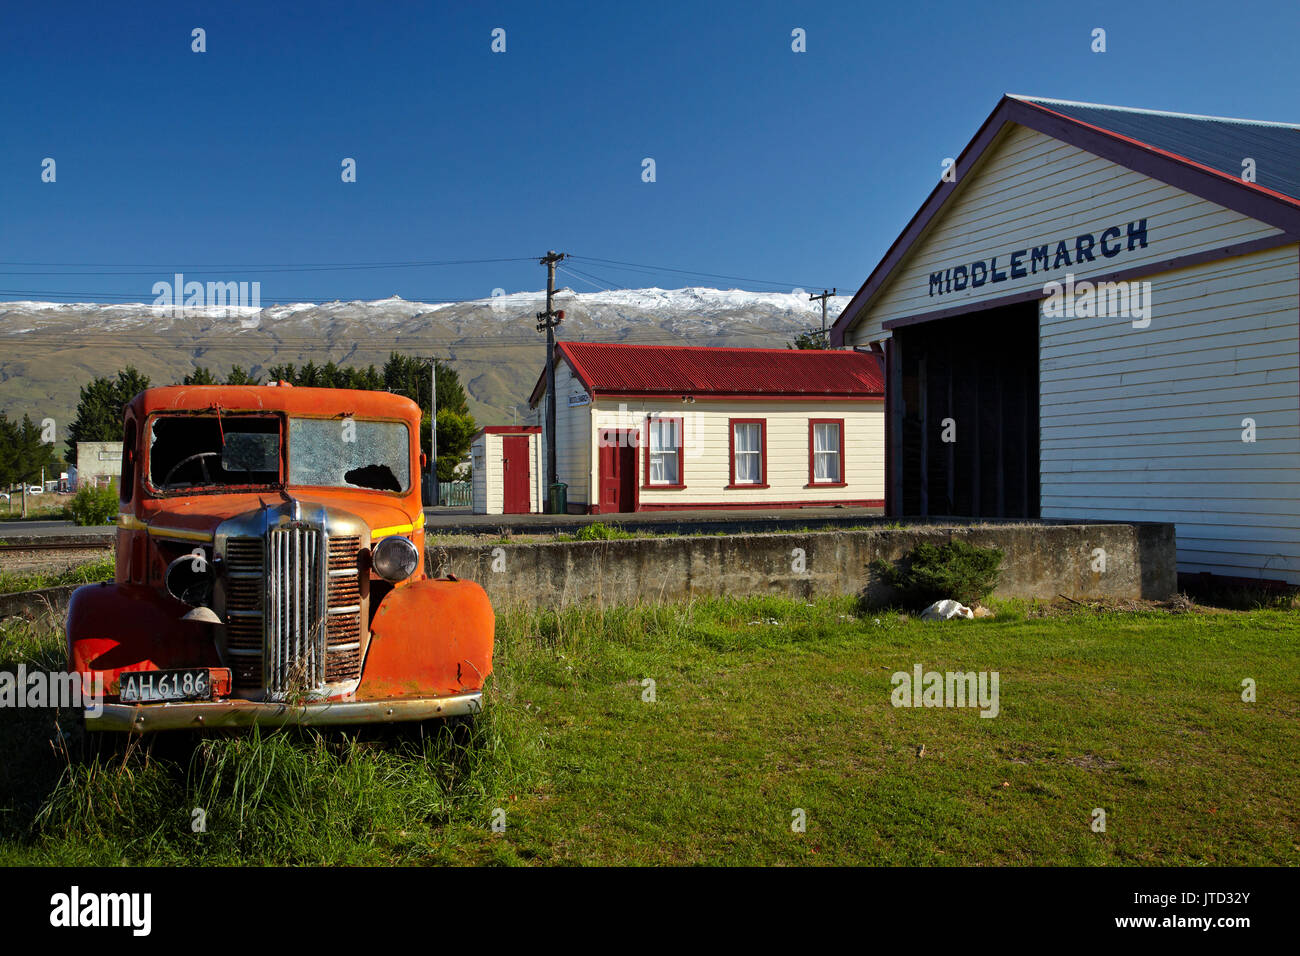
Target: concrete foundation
1041 561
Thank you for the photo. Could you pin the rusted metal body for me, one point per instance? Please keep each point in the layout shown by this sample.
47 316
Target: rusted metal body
270 545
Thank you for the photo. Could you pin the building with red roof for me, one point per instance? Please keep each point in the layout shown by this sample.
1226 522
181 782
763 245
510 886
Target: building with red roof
653 427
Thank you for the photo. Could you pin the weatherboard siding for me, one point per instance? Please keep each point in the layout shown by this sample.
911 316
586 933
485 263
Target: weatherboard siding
1146 424
573 442
1030 189
706 451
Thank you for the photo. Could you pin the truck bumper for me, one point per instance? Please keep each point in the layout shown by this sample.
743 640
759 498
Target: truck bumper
217 714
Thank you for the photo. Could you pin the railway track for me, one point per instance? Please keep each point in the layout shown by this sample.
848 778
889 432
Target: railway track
63 544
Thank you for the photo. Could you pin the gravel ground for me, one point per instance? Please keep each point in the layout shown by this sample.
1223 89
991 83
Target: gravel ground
52 562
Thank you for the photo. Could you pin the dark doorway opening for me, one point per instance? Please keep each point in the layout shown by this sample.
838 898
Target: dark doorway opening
964 415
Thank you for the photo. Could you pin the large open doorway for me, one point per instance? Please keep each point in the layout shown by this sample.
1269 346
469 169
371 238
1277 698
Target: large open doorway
964 415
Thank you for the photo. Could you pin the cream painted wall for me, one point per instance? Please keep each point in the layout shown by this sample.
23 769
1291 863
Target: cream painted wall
706 461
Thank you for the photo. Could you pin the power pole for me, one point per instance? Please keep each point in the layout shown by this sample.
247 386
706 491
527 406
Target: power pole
433 430
547 321
824 296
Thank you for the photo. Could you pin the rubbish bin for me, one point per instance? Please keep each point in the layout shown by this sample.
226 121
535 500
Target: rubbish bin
559 503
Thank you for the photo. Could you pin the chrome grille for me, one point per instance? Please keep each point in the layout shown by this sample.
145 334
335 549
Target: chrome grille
293 596
244 584
295 632
343 628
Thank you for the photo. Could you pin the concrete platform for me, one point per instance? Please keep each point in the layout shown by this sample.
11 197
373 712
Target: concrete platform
45 533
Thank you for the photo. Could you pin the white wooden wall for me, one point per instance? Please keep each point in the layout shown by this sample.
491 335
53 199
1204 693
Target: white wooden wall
573 443
1146 424
485 453
1141 424
1031 189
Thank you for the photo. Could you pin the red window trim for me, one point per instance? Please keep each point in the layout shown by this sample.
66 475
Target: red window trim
812 462
731 450
681 457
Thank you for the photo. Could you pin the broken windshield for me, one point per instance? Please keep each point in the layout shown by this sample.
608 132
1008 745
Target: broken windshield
190 452
348 453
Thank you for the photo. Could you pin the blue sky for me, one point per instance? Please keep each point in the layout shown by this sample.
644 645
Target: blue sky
793 169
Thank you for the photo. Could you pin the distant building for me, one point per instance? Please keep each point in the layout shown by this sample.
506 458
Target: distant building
647 427
98 462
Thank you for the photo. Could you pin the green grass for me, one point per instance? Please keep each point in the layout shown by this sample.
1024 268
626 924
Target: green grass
762 707
36 509
597 531
89 573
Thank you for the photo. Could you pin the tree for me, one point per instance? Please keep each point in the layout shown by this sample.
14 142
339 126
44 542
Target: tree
455 433
813 339
22 453
200 376
238 376
99 409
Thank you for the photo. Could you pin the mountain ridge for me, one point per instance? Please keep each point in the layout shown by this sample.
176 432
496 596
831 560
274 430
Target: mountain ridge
49 350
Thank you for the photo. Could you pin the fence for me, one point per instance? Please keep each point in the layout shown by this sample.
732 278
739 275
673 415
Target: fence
455 494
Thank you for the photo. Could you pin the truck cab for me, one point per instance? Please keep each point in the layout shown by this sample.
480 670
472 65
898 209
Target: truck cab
270 569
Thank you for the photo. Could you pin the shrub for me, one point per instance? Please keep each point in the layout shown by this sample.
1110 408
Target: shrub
931 572
94 505
598 531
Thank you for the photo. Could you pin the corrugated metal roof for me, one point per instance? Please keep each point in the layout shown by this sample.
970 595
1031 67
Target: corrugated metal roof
1221 143
696 370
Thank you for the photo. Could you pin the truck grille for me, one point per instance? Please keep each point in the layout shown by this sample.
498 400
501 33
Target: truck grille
281 636
343 630
245 582
295 634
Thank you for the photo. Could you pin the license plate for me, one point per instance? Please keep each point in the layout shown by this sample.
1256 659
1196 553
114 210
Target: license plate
144 687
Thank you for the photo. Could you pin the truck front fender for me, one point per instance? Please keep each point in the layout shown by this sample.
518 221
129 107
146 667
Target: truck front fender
121 627
433 637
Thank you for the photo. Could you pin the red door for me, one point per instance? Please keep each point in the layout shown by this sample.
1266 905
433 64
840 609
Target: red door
617 470
514 459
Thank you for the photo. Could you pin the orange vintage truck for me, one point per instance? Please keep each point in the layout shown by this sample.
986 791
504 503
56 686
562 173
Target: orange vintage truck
270 569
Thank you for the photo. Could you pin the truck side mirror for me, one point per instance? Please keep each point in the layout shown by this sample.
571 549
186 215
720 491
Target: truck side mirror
424 461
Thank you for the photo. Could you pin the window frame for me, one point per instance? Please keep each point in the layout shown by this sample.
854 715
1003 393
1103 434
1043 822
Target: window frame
813 482
762 453
680 424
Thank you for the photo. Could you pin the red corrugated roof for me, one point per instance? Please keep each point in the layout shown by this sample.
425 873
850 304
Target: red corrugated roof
612 369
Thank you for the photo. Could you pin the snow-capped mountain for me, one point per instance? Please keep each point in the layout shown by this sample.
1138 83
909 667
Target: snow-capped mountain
49 350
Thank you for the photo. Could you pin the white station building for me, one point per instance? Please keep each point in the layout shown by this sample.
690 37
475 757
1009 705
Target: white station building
652 428
1096 315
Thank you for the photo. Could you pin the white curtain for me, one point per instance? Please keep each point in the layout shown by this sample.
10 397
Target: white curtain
749 455
826 452
664 446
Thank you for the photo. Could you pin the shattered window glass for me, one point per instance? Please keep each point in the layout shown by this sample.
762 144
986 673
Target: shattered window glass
349 453
191 452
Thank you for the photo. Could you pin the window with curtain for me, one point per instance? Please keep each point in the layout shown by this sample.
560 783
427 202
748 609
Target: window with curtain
748 445
665 451
827 452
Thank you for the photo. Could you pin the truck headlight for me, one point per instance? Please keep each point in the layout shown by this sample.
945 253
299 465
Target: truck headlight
395 559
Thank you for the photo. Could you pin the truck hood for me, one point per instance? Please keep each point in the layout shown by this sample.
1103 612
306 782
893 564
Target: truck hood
204 514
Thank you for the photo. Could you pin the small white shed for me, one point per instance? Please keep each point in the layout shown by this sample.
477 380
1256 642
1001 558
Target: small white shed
507 470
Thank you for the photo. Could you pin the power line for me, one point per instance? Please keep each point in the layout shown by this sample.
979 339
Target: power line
246 267
645 267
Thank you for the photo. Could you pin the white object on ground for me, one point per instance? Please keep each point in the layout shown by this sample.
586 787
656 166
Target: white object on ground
946 610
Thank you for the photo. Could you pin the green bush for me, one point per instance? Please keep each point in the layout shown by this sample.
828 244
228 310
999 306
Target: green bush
931 572
94 505
599 531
